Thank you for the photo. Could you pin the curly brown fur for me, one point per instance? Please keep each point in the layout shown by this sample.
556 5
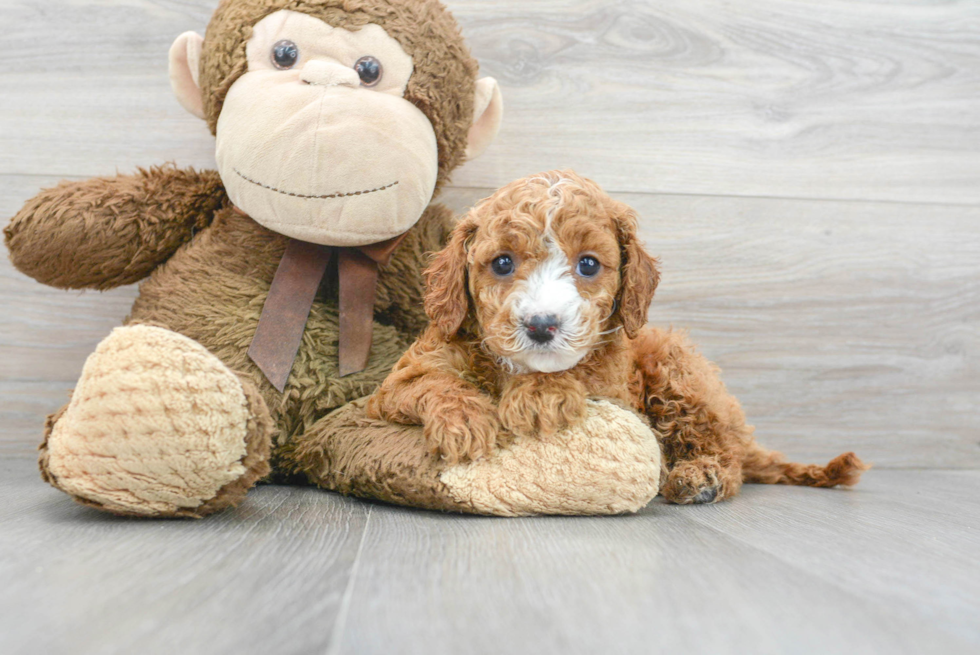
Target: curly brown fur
708 448
702 426
441 85
464 371
542 402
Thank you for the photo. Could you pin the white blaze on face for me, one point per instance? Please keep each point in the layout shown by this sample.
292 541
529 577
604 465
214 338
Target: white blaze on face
311 153
550 290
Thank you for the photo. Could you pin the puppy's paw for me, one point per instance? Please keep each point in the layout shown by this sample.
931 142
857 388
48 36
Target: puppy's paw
699 481
462 429
533 405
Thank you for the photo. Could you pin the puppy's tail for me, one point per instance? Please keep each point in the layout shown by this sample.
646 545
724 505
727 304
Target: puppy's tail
769 467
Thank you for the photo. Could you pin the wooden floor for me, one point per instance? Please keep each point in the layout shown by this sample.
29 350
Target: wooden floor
808 173
888 567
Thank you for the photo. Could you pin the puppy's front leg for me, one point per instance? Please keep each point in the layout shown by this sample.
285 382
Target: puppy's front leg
459 423
541 403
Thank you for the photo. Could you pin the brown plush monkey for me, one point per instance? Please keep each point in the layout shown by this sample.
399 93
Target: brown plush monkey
336 122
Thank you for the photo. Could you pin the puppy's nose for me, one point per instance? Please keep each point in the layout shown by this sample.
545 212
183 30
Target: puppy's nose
542 327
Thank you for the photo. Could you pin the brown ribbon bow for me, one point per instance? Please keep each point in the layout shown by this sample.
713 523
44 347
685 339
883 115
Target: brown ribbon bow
286 309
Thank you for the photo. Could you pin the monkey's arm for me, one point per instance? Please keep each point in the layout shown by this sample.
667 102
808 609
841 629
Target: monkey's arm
425 388
110 231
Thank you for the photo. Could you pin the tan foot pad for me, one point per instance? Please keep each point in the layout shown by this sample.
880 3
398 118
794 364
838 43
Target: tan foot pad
156 425
608 465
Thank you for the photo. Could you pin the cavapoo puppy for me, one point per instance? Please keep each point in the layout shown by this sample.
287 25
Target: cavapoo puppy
540 301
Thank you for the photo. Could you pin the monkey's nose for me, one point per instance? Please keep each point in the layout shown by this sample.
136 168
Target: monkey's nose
541 328
326 73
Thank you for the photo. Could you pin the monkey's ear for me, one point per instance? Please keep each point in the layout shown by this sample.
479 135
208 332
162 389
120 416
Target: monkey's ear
185 67
488 110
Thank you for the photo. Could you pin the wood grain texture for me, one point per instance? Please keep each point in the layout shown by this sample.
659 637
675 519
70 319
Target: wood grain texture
885 568
816 99
776 571
267 577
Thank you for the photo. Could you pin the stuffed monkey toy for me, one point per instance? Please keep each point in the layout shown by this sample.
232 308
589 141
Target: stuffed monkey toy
278 291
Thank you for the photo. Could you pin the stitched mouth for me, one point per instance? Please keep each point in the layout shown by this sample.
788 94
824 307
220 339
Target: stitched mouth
325 196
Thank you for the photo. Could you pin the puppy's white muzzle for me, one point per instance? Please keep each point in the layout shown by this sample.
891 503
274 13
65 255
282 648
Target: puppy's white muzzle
548 310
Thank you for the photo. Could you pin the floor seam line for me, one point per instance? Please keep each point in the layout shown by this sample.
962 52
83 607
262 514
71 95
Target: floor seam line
785 561
333 647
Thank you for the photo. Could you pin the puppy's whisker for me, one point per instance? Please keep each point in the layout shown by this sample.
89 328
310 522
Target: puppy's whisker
612 312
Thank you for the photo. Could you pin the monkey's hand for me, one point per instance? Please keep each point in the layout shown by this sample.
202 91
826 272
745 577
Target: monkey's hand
110 231
541 404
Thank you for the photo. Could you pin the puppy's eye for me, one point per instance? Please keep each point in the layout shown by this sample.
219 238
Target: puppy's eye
588 266
369 70
285 54
502 265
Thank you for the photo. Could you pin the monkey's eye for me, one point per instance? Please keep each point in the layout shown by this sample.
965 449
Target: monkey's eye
502 265
285 53
588 266
369 70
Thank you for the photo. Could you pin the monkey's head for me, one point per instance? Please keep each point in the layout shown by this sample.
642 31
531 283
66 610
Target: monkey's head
336 120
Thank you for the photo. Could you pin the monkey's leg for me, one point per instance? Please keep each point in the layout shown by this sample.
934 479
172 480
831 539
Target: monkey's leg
702 427
348 452
157 426
610 464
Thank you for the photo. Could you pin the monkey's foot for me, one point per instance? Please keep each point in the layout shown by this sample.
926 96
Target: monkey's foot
608 464
157 426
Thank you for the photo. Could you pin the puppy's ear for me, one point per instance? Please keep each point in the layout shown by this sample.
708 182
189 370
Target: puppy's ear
638 274
446 298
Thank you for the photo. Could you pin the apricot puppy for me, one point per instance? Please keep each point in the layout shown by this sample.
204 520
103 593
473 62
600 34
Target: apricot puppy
540 302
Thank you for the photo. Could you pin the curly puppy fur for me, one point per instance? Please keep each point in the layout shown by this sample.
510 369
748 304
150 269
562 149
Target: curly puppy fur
482 370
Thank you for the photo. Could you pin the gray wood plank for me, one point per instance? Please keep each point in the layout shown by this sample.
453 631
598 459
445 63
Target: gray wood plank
266 577
884 568
775 571
927 541
839 325
830 99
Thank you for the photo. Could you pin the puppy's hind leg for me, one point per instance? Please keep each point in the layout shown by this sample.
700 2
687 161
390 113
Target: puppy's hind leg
702 427
708 449
706 479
